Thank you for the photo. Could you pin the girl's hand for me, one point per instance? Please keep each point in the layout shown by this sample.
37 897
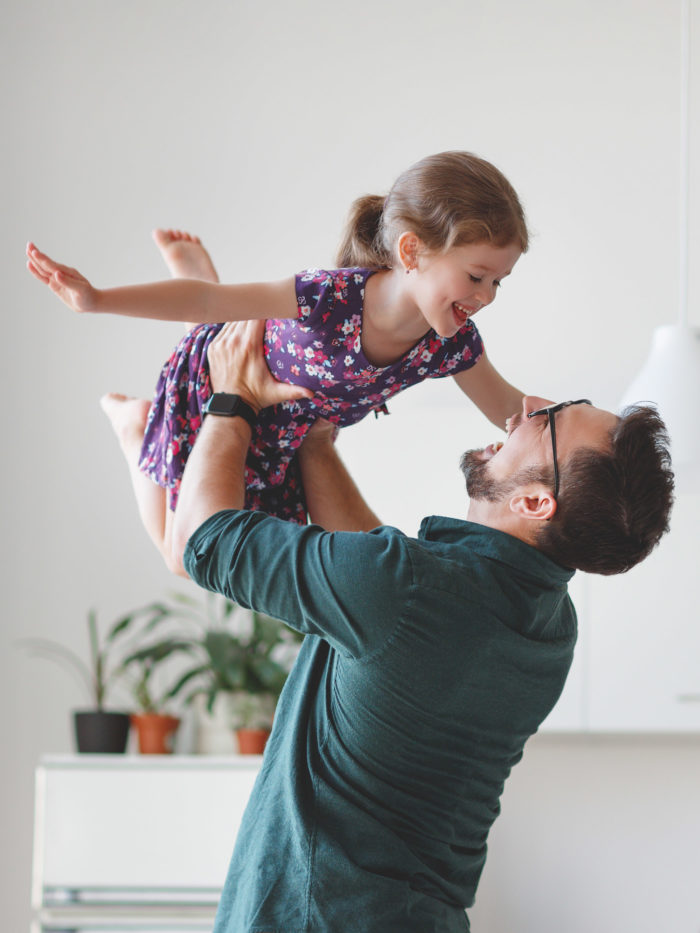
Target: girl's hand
68 284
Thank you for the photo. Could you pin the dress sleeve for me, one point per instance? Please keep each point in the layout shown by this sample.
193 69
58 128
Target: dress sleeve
347 587
314 295
320 292
458 353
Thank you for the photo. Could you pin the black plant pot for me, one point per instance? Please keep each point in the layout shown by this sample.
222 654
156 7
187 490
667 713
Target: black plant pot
100 732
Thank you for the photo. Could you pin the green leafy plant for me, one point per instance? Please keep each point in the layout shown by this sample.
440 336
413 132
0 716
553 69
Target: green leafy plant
230 651
101 670
149 697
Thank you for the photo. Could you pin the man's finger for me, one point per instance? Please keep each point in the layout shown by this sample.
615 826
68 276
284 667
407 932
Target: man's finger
288 392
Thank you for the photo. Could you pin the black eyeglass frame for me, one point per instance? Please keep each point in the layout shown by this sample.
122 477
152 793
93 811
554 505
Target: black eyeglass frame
550 411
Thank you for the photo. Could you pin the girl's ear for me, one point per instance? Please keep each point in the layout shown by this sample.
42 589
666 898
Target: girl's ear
535 504
408 246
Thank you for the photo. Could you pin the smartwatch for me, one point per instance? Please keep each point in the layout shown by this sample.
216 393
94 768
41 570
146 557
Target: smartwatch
230 406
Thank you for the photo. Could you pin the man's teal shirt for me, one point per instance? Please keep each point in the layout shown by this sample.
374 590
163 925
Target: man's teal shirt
429 662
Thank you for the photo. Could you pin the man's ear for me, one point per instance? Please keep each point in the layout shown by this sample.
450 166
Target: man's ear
408 246
535 504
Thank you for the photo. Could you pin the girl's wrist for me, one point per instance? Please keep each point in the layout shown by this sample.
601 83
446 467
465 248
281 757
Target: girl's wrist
98 302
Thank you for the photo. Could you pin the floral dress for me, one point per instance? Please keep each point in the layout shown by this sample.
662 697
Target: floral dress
320 349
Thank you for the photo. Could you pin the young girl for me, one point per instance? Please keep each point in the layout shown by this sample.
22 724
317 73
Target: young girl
414 267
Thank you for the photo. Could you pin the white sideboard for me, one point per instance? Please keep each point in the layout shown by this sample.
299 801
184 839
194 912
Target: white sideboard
637 664
135 842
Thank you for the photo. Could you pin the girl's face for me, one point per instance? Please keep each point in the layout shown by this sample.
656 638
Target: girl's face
451 287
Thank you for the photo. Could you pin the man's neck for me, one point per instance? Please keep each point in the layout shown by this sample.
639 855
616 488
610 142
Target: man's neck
496 515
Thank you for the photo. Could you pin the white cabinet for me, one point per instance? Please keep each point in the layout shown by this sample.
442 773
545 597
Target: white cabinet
644 651
569 714
637 663
135 842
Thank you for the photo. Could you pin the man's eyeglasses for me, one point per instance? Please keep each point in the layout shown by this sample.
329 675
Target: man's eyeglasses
550 411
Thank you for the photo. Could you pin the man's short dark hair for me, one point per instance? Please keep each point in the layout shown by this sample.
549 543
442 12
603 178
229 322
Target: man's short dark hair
613 506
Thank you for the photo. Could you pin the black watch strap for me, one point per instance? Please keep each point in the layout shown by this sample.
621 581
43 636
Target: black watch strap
230 406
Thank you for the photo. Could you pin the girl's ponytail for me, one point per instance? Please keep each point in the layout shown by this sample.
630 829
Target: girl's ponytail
361 244
447 200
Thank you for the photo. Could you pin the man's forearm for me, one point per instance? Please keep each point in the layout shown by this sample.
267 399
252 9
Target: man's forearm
333 500
214 478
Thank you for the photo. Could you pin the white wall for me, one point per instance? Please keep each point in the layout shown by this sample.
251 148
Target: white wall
255 126
596 834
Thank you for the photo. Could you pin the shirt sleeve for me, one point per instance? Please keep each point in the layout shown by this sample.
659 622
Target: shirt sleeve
347 587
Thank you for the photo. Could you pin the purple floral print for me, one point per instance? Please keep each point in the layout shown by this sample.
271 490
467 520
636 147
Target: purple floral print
320 349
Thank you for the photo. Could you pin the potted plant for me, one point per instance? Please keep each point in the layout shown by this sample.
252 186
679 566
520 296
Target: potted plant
248 667
240 662
97 730
155 727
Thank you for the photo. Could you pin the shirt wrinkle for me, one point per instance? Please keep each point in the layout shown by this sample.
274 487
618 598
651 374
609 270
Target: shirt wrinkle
384 771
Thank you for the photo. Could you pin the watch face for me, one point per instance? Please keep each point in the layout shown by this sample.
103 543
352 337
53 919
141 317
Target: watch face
222 404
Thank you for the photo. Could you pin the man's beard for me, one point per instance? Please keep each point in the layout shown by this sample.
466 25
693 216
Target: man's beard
480 484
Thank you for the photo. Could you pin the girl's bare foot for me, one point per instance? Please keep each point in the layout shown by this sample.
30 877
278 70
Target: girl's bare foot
128 418
185 256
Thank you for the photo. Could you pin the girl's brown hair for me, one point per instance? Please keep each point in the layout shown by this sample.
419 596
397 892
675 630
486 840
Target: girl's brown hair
447 200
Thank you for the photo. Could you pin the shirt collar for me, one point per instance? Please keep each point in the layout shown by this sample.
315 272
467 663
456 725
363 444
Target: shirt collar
494 544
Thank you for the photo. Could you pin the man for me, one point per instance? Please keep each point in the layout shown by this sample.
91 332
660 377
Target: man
428 662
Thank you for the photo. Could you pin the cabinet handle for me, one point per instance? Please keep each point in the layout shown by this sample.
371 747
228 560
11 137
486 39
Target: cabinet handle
688 697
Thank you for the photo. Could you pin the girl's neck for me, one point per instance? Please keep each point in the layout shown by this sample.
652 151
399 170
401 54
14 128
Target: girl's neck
391 322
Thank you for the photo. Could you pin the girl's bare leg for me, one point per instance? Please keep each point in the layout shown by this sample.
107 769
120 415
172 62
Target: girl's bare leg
128 418
185 257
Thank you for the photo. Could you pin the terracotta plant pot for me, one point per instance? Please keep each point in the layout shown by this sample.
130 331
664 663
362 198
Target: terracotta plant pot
252 741
156 732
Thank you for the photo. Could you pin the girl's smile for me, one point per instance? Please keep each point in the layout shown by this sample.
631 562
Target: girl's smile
462 313
450 288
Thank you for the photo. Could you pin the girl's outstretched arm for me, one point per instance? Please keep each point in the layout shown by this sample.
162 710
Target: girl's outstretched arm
490 392
175 300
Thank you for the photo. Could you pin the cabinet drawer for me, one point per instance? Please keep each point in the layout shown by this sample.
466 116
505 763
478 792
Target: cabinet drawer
137 830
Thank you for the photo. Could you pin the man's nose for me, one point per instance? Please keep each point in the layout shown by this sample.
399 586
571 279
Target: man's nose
533 402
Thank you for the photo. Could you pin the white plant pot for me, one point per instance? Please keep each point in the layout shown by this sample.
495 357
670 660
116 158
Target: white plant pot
215 730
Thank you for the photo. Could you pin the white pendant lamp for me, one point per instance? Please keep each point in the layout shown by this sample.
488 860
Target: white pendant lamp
670 376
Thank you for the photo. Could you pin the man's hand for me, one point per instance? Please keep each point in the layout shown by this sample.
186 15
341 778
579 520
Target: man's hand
68 284
237 365
321 434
